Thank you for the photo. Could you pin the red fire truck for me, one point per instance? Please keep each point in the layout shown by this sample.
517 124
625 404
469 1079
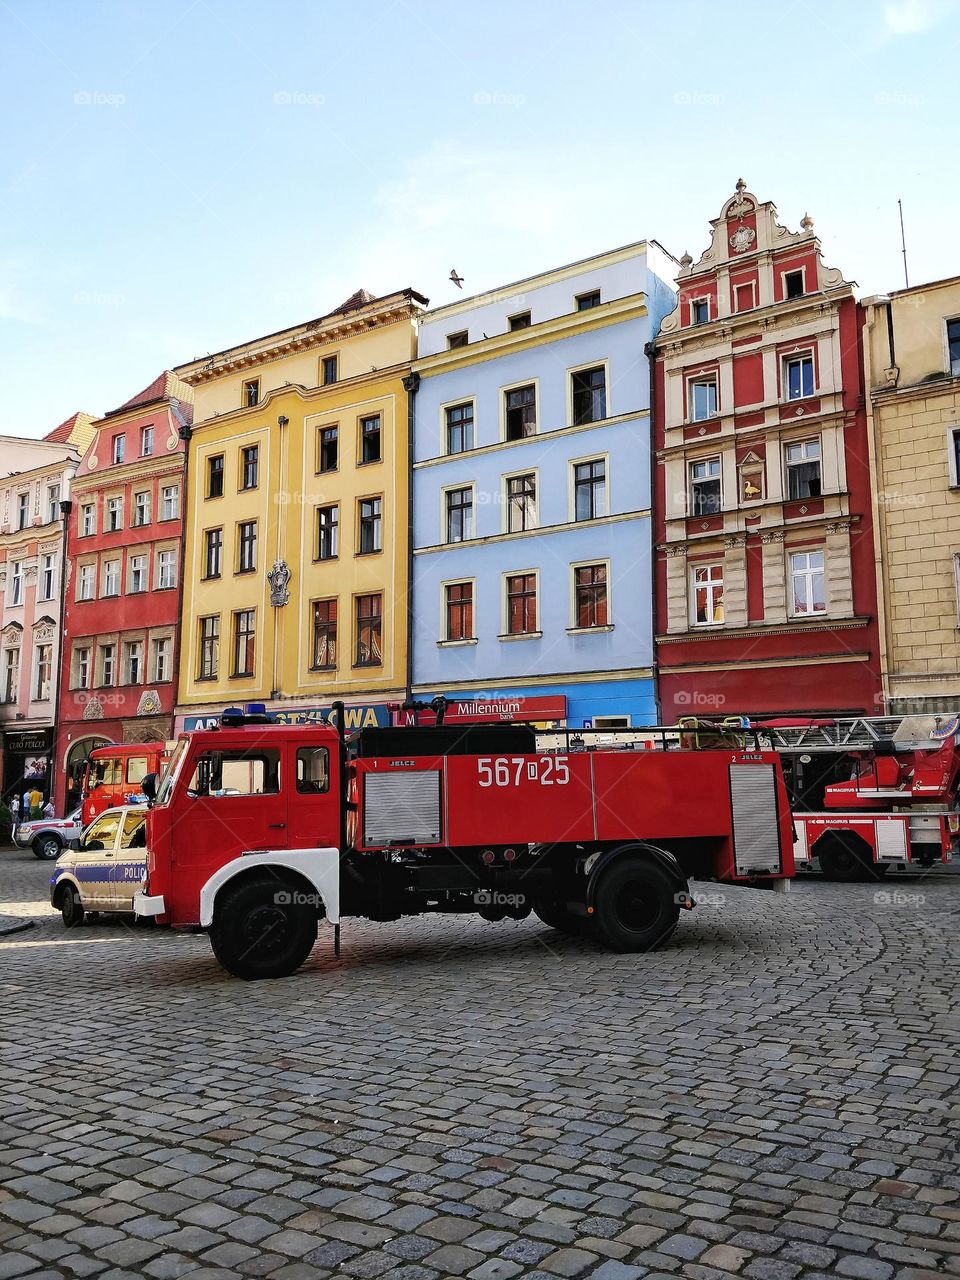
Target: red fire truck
871 793
114 775
257 831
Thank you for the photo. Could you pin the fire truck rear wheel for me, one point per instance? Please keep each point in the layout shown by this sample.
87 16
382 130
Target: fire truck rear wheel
636 905
259 930
846 860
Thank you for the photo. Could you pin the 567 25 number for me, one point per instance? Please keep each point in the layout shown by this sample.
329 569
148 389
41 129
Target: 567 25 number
510 771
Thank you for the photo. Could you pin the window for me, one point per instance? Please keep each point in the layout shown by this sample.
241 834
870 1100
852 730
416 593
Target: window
370 438
521 503
803 469
313 770
247 559
700 311
459 420
244 623
590 489
161 659
53 503
589 396
138 574
11 675
166 570
328 370
705 489
458 597
590 595
707 594
954 459
459 504
81 659
141 508
370 526
521 604
16 582
520 406
209 647
88 520
953 347
519 321
743 297
587 301
85 577
703 399
134 832
328 449
324 634
114 514
146 442
23 509
369 631
41 686
170 503
108 660
119 448
215 476
458 339
133 662
251 393
793 284
328 532
250 466
48 576
225 774
798 376
807 583
111 578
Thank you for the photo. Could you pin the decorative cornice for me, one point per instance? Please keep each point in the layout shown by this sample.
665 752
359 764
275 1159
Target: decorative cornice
759 629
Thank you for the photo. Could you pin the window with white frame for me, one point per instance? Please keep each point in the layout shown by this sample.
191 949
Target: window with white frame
166 569
521 503
953 347
807 583
520 412
141 507
162 649
119 448
111 578
43 670
798 375
705 487
588 390
133 662
458 419
590 489
146 441
706 583
458 505
23 509
953 446
703 398
81 667
458 611
48 576
802 459
138 574
793 284
53 503
85 581
170 502
590 601
88 519
11 675
108 664
114 514
16 582
700 311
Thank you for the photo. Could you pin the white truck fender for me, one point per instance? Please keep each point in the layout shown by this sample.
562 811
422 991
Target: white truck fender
320 866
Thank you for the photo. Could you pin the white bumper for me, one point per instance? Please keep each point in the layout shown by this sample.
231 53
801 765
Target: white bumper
145 905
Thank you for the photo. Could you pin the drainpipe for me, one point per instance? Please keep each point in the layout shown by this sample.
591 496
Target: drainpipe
66 506
650 351
185 432
282 507
875 460
411 384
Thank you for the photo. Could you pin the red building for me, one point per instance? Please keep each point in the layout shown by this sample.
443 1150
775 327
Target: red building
123 587
765 587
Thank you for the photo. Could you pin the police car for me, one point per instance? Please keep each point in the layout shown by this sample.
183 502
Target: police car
106 869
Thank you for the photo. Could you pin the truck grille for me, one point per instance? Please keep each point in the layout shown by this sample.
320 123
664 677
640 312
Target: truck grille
756 834
401 808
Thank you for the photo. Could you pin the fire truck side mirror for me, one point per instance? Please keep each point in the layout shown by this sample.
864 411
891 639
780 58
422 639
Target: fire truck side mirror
148 786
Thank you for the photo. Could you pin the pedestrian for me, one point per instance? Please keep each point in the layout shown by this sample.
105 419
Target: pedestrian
25 809
14 814
36 803
48 810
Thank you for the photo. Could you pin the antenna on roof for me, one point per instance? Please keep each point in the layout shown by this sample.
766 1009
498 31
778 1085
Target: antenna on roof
903 244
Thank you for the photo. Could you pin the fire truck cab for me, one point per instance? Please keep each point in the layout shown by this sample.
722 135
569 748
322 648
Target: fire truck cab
257 831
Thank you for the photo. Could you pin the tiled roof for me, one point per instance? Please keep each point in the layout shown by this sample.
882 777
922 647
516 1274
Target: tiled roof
166 386
357 300
76 430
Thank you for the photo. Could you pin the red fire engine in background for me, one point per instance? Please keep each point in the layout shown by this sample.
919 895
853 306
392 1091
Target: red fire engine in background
258 830
114 774
870 793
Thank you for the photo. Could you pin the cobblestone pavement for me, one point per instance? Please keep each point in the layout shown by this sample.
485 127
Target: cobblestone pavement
769 1097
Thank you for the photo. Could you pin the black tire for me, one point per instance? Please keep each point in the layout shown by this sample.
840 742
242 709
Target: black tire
256 934
636 904
561 918
846 860
48 846
71 908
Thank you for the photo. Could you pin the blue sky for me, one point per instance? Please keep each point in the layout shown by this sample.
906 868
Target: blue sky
179 176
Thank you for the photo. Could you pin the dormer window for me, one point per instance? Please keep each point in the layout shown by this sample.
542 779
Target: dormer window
700 311
519 321
455 340
793 284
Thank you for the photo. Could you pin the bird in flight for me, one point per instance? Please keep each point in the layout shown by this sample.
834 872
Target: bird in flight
457 280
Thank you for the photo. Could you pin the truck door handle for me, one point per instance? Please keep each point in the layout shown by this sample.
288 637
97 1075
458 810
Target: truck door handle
277 824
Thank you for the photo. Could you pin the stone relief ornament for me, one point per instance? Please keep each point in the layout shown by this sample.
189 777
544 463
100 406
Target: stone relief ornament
279 580
93 710
742 239
149 704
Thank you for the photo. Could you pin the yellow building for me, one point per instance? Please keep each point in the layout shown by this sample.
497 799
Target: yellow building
296 537
912 354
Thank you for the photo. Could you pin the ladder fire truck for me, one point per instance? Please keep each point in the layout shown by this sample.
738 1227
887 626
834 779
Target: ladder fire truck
257 831
870 792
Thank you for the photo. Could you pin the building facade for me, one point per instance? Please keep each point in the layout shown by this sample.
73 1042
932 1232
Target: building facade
912 350
531 563
122 595
766 593
297 516
33 489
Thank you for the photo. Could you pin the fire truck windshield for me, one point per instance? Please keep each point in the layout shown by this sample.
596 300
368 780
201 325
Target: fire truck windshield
173 769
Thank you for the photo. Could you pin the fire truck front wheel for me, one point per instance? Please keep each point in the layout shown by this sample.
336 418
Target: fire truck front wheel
261 929
636 905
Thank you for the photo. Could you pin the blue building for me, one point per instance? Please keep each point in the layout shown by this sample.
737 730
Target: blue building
531 557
